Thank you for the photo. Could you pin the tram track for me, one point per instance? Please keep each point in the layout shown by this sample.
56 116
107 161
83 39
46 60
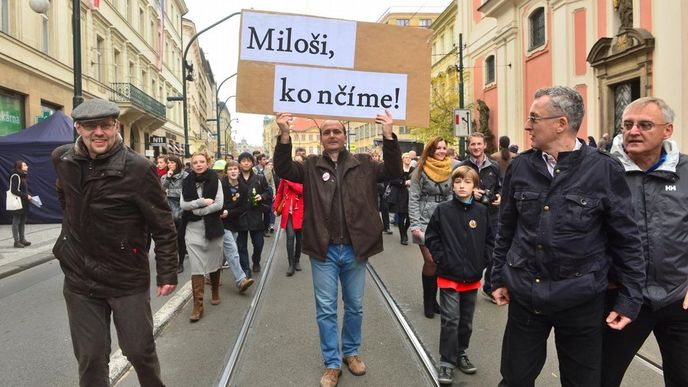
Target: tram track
230 370
231 367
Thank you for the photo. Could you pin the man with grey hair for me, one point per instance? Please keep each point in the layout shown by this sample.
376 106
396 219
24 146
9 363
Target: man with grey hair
658 176
565 217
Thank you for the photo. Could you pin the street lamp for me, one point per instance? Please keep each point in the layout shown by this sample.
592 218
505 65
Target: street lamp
184 68
217 110
42 6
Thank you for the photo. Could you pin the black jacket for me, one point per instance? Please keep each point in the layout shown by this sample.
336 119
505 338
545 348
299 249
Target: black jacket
661 210
557 235
234 204
20 187
107 203
458 236
489 179
251 218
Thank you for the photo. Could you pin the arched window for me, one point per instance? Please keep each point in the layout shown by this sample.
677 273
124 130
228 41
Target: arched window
490 70
537 28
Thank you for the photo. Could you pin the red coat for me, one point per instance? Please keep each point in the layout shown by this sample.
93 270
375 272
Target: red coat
292 193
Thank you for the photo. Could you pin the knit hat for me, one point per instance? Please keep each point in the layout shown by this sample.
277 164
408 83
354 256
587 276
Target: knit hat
246 155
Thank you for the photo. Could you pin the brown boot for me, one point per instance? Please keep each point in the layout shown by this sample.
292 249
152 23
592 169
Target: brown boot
215 287
197 288
330 378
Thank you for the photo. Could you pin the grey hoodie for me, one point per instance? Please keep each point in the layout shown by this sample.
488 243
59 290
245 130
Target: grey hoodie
660 199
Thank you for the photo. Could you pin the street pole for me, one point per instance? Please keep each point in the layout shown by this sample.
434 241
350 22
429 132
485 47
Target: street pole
462 140
217 112
184 67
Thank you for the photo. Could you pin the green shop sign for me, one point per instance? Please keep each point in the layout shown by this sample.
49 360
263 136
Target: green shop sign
10 115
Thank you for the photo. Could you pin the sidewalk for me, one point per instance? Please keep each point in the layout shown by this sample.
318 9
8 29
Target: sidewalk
14 260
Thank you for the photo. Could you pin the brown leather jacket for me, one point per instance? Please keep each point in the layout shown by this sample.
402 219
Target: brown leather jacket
358 184
107 203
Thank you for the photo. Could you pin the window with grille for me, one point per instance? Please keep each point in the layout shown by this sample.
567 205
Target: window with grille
537 28
490 69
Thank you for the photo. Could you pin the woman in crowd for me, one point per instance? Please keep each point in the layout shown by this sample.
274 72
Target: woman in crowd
289 204
202 201
254 188
399 197
430 185
19 186
231 212
382 195
172 183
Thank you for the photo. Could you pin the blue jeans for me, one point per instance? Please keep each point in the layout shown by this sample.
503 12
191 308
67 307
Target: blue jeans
232 256
340 265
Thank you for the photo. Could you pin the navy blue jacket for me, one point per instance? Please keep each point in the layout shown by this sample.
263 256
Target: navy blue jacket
558 235
457 236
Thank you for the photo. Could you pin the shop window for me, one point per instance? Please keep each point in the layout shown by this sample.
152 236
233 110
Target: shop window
11 112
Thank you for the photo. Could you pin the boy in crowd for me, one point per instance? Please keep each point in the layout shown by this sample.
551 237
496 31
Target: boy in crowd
457 236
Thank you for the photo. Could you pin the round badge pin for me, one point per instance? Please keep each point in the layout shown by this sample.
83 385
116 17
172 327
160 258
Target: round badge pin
472 223
326 176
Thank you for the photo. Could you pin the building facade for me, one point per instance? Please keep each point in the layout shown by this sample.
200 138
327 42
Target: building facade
611 51
130 54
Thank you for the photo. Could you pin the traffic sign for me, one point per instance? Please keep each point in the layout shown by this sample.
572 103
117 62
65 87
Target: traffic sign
462 122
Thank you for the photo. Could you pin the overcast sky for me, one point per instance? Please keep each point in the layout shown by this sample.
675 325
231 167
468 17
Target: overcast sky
220 44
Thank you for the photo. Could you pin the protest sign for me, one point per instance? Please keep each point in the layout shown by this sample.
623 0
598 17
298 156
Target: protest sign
331 68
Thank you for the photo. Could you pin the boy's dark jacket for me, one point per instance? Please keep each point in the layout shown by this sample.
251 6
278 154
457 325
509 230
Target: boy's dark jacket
459 239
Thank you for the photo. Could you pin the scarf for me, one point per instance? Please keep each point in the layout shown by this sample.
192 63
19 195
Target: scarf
437 170
212 222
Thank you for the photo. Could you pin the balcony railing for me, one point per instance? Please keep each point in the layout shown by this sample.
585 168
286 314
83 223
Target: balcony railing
126 92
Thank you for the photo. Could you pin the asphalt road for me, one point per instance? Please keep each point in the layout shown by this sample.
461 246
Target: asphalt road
282 346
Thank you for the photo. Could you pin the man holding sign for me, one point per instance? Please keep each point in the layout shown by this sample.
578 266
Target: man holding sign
341 229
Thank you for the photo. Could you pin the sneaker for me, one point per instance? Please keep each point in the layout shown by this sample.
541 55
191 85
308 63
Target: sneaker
266 233
331 377
388 232
355 364
18 245
25 242
256 267
225 265
465 365
445 375
489 296
245 284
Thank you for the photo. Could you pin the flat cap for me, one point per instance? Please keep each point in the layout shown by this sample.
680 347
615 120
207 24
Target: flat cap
94 109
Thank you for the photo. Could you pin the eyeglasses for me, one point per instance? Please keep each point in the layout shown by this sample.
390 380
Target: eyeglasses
535 119
642 125
91 126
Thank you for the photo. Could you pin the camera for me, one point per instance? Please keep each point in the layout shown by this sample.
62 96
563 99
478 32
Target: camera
488 197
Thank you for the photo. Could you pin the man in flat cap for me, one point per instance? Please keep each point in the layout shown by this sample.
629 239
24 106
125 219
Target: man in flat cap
109 195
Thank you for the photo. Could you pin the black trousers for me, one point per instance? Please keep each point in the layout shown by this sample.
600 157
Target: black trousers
242 245
89 324
670 327
457 324
578 337
293 241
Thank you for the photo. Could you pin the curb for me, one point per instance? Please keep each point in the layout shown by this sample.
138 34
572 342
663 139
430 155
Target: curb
24 264
119 365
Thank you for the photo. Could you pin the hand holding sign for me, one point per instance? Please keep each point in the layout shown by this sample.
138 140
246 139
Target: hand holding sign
386 121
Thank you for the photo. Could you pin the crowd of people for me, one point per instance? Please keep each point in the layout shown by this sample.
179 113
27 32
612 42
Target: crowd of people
575 239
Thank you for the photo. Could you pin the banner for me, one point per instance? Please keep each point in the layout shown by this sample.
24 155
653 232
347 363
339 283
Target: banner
331 68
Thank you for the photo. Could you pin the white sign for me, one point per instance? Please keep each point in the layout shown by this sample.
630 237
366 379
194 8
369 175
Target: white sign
462 122
149 153
343 93
297 39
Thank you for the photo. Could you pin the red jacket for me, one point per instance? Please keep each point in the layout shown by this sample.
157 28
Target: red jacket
292 194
